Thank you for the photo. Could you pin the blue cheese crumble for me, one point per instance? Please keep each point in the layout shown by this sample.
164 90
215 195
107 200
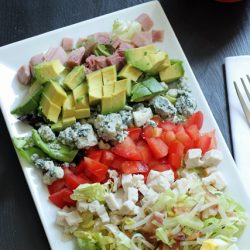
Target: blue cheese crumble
185 104
46 133
111 127
142 115
79 136
127 117
163 107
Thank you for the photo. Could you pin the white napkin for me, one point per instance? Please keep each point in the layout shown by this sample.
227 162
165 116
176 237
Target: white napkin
236 67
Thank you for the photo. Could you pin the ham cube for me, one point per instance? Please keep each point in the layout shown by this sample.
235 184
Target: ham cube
117 60
96 62
24 74
142 38
75 57
145 21
34 60
157 35
56 53
67 43
101 37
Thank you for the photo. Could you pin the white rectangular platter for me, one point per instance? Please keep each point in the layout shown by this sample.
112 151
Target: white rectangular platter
16 54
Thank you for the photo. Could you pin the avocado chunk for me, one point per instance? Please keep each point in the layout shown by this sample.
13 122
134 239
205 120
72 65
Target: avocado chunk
94 80
119 96
102 50
82 113
68 121
69 107
47 71
56 127
172 73
130 72
126 82
49 109
109 75
31 101
140 93
166 63
55 93
60 153
107 98
153 85
75 77
80 96
147 59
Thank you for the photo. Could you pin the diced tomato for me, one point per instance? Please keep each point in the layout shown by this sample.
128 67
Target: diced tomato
193 132
195 119
145 151
161 167
204 143
158 147
176 147
127 149
167 125
95 154
168 136
80 168
179 128
56 186
62 198
156 119
67 171
134 167
184 138
73 181
174 160
149 132
107 157
117 162
134 133
95 170
213 143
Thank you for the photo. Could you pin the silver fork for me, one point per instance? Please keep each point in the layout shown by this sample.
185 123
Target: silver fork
244 104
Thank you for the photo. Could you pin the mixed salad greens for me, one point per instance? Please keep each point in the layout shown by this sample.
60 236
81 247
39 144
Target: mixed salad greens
118 138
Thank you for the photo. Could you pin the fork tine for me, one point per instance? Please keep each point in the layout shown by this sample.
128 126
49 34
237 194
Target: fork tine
243 103
247 88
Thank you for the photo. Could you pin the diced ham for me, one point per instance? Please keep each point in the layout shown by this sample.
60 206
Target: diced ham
24 74
75 57
145 21
80 42
96 62
157 35
116 42
142 38
123 46
117 60
67 43
34 60
101 37
89 46
56 53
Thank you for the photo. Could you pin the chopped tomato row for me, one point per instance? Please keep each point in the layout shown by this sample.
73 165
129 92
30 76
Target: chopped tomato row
159 148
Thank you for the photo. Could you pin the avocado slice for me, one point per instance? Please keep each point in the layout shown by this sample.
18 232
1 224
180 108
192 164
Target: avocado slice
119 96
55 93
171 99
172 73
47 71
68 121
63 153
107 98
75 77
31 101
69 107
102 50
82 113
147 59
80 96
56 127
130 72
109 75
127 84
141 93
153 85
94 80
49 109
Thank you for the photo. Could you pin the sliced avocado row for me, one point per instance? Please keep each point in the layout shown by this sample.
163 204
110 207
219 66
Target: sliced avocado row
147 89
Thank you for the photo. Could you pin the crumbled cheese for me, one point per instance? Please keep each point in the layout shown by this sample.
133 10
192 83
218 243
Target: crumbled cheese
193 158
182 185
185 104
129 208
127 117
216 180
173 92
112 202
132 194
142 115
110 127
115 179
163 107
54 146
80 136
152 123
212 158
46 133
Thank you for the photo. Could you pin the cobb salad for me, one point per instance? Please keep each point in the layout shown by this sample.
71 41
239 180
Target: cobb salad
119 140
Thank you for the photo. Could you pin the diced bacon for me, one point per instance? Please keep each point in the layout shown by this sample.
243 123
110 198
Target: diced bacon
56 53
145 21
23 74
67 43
117 60
96 62
157 35
142 38
75 57
101 37
34 60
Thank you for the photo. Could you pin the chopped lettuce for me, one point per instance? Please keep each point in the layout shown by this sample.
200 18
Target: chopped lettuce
125 29
90 192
